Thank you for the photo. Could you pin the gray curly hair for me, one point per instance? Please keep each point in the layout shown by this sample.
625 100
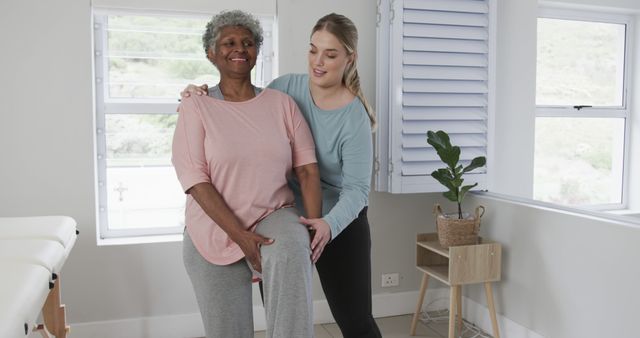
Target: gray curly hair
231 18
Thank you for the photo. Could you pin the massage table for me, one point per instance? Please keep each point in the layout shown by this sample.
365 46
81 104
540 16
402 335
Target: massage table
33 251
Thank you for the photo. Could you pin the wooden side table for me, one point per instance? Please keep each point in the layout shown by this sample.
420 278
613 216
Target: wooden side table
457 266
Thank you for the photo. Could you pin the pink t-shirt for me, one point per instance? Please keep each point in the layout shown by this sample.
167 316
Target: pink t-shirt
246 150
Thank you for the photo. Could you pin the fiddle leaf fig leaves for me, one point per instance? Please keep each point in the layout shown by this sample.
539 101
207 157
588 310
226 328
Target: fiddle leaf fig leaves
477 162
451 176
448 153
464 190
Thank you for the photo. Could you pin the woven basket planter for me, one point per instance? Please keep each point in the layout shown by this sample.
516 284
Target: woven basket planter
453 231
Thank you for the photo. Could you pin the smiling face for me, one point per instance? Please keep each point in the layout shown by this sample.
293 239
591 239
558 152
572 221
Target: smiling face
235 52
328 59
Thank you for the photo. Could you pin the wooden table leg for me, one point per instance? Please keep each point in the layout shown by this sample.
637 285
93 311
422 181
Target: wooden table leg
53 313
452 310
43 331
459 306
423 289
492 309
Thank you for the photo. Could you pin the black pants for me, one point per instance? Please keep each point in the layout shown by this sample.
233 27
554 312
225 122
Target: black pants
344 269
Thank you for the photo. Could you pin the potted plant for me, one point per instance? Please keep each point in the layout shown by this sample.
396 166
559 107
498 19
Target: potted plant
457 228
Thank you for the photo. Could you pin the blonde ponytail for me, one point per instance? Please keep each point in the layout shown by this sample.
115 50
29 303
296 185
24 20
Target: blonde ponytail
352 82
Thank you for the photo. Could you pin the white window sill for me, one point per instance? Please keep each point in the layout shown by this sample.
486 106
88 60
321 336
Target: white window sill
626 212
592 214
140 240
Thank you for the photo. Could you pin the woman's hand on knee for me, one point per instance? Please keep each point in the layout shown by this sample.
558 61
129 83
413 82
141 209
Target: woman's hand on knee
193 89
250 244
321 235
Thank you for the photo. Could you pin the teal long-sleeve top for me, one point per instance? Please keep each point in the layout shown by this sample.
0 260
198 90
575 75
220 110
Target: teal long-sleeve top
343 150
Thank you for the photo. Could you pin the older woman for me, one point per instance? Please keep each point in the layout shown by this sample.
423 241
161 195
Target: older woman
233 151
341 120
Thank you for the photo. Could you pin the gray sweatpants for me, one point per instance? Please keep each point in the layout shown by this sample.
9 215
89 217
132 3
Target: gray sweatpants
224 292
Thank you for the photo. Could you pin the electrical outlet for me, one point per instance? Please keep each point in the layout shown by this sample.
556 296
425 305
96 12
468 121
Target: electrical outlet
390 279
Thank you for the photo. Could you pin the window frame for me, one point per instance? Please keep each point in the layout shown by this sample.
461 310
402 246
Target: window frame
624 111
265 72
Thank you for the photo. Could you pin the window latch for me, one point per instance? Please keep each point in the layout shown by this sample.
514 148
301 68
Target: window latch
580 107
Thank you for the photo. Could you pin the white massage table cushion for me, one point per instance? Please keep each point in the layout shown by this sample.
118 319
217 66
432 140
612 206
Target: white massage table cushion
70 244
57 228
10 325
23 290
47 253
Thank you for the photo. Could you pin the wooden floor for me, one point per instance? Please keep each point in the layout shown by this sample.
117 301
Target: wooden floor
390 327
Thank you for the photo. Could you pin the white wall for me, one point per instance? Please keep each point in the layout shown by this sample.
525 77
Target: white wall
558 268
634 157
622 4
515 98
47 155
563 275
46 147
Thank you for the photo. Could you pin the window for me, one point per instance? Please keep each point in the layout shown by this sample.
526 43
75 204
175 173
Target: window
435 67
582 109
142 62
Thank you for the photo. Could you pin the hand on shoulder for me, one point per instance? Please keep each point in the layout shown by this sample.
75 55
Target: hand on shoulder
193 89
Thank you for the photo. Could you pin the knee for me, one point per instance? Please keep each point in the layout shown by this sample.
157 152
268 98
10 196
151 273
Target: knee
289 249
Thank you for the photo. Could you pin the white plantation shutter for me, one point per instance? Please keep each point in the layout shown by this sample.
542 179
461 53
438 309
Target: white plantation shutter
435 72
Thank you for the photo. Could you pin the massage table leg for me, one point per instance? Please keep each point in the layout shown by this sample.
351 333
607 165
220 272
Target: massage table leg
53 313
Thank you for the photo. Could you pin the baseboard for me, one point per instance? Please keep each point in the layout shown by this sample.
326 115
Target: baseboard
183 325
479 315
384 305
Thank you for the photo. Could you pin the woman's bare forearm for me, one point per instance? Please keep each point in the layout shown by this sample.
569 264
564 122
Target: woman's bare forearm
309 177
216 208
